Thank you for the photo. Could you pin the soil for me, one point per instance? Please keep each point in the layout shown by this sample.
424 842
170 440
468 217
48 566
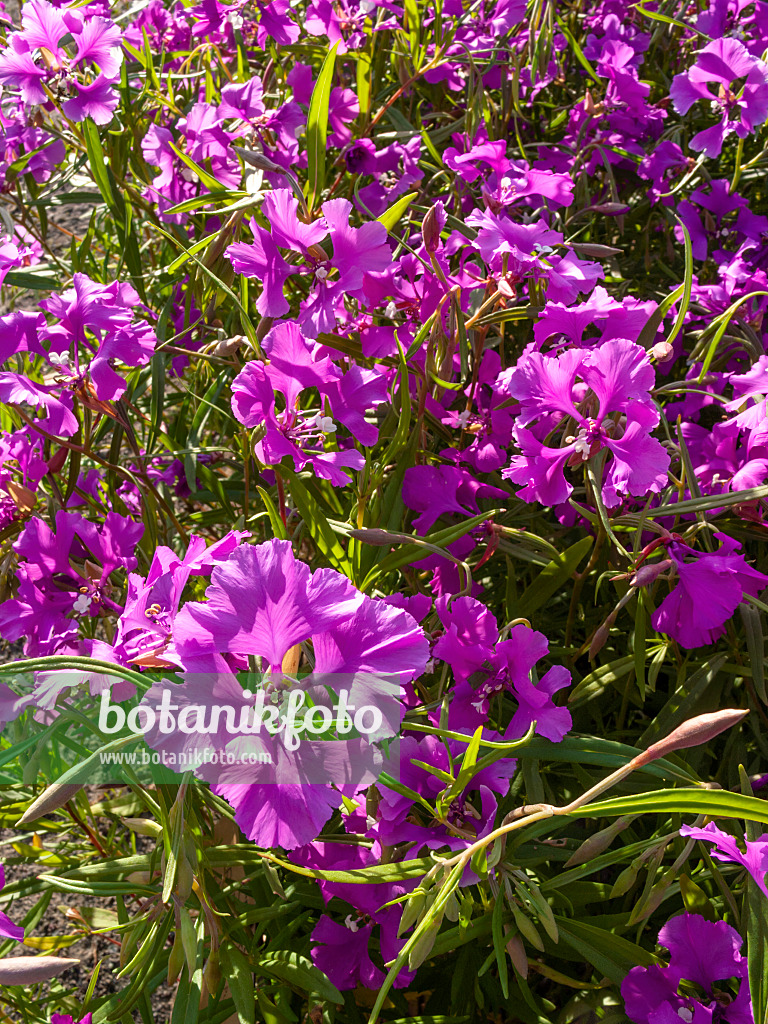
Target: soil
90 949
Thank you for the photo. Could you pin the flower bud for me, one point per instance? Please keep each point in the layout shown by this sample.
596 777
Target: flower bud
55 796
692 733
430 230
662 352
258 160
30 970
647 574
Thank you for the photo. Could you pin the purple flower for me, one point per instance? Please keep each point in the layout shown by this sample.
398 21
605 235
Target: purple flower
721 63
754 858
145 625
342 953
38 53
98 41
709 590
369 909
261 259
281 815
22 467
274 23
470 633
700 951
96 100
434 491
514 662
65 577
356 251
262 601
610 409
8 930
297 433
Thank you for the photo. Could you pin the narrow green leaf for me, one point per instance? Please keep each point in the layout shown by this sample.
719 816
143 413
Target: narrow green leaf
300 973
713 802
392 215
317 129
319 528
551 578
687 285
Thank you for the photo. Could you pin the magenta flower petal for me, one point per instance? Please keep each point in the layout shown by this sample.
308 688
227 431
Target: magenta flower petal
263 601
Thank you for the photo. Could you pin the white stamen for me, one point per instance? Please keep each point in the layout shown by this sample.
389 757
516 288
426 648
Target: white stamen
582 444
82 604
325 424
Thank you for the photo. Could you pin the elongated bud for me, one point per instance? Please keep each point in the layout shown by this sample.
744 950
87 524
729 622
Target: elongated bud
258 160
692 733
599 842
517 954
51 800
600 637
648 574
430 230
379 538
29 970
593 250
143 827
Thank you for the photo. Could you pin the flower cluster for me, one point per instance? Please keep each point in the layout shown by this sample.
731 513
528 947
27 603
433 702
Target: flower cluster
422 347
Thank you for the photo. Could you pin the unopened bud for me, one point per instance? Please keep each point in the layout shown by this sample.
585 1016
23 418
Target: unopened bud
692 733
662 352
56 462
601 636
430 230
30 970
227 346
55 796
379 538
648 574
258 160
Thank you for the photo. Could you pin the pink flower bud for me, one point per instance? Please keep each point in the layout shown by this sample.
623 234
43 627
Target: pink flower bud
692 733
29 970
662 352
647 574
430 230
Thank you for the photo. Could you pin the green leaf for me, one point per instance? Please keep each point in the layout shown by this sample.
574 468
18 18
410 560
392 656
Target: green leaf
651 327
412 552
391 216
278 527
363 78
319 528
300 973
687 285
713 802
722 322
499 945
357 876
753 627
30 279
317 129
551 578
611 954
239 974
209 180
